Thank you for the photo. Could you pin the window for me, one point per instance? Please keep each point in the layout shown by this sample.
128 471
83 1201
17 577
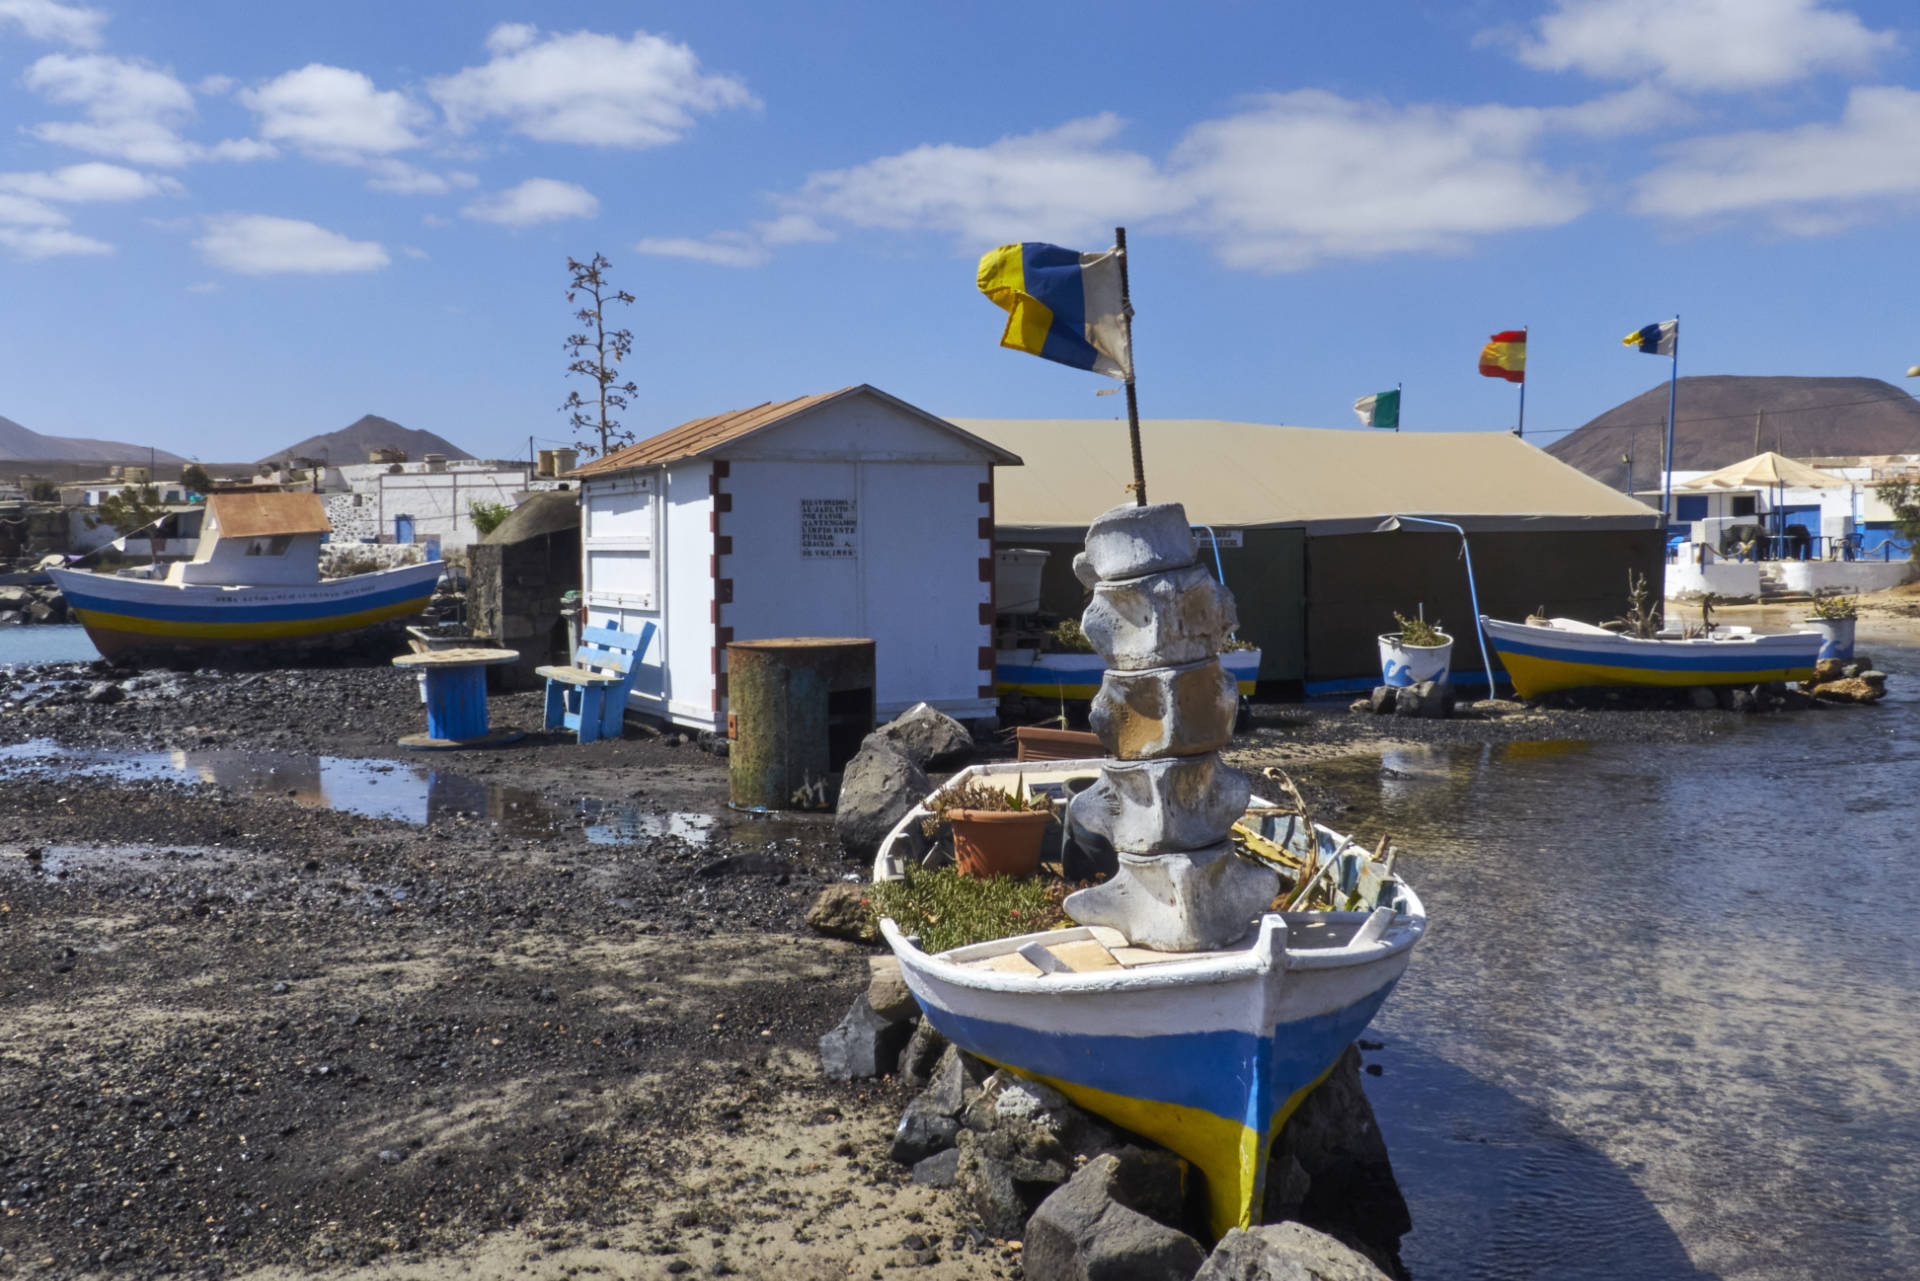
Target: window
1743 504
1690 507
277 545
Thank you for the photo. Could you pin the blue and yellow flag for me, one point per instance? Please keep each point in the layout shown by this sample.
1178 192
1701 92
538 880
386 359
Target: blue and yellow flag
1061 305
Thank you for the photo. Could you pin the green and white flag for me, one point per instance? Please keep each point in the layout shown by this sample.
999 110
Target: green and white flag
1382 409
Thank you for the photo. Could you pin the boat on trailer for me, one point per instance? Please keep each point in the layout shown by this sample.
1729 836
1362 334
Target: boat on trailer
254 581
1206 1053
1561 653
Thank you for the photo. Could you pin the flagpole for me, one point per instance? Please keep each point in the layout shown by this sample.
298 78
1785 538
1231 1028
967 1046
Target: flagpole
1133 405
1666 483
1399 403
1521 429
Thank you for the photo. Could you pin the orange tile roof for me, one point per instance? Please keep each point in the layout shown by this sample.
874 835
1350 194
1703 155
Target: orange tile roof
706 435
257 515
689 440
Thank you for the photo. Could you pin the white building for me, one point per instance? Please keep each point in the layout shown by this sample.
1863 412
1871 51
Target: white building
418 502
845 514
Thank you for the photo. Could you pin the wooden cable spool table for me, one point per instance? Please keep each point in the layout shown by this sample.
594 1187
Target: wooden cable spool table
456 682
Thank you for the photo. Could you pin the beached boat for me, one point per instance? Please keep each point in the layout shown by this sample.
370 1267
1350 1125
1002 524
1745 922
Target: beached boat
254 581
1206 1053
1564 654
1078 676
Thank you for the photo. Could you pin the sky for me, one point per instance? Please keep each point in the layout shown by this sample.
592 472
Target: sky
225 226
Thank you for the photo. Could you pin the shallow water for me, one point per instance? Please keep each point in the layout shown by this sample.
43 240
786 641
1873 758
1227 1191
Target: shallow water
408 791
1661 1025
65 643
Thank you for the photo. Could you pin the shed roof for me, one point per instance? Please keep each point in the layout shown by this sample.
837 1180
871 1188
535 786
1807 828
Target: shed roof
1250 475
252 515
704 437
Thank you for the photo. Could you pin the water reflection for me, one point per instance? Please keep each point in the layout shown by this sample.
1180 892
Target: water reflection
408 793
1660 1024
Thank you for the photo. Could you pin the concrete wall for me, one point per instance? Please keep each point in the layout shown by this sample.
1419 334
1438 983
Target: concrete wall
1851 577
1731 581
513 598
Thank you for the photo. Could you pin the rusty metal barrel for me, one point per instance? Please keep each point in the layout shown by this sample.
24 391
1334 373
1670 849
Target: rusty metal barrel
797 708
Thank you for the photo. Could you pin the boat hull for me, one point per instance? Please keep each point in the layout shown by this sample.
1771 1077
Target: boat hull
1540 660
1078 676
127 618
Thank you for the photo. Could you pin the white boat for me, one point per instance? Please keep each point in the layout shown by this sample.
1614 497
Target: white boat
1206 1053
1562 653
254 582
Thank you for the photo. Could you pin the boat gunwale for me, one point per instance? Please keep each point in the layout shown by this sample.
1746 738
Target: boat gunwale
155 588
1601 636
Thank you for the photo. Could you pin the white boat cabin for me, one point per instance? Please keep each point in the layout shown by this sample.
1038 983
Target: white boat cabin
256 540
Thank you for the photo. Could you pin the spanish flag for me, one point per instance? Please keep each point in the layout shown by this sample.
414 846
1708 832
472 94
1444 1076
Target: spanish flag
1061 305
1505 356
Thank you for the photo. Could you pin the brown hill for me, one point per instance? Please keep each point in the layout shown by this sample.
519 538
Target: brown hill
1723 418
351 443
23 442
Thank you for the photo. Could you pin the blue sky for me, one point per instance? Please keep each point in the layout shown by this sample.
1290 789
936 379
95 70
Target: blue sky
225 226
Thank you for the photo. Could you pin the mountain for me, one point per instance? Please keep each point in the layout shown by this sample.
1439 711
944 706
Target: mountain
1724 418
351 443
23 442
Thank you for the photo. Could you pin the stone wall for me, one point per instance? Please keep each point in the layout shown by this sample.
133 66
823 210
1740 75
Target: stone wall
513 599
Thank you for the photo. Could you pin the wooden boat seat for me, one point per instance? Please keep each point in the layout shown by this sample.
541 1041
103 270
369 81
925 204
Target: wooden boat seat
590 697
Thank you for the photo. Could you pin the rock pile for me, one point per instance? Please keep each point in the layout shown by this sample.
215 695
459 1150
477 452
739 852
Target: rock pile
1086 1201
1852 680
1164 801
20 605
888 776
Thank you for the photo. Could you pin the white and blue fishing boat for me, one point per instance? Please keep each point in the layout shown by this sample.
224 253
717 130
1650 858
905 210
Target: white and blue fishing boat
1561 653
254 581
1205 1053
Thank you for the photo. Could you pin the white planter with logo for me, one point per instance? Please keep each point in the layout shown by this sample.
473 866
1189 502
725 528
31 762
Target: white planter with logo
1403 665
1836 636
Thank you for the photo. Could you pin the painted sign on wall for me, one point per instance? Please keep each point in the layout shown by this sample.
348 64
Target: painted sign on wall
829 529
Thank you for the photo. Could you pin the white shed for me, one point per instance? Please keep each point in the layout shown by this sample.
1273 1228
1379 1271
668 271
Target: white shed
845 514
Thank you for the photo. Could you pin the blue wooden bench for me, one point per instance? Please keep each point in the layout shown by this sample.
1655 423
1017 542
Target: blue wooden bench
590 697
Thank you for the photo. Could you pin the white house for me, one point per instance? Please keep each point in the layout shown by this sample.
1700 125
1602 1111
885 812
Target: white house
845 514
422 501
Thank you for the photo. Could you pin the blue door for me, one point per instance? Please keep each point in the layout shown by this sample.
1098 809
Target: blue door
403 529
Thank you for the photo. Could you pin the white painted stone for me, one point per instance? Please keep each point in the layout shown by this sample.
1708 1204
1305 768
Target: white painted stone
1084 571
1193 901
1130 541
1176 803
1160 620
1165 711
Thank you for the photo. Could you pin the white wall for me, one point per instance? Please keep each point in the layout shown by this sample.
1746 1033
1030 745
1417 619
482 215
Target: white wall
1848 576
440 502
1730 580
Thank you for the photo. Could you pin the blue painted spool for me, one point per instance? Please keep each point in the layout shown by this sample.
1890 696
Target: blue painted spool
456 702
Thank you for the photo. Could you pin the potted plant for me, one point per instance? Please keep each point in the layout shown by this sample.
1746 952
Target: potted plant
1834 617
995 832
1418 652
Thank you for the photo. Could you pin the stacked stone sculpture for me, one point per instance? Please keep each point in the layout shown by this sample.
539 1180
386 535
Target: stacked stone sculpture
1164 800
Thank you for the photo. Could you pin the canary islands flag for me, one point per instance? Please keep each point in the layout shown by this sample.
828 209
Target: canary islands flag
1505 356
1061 305
1655 340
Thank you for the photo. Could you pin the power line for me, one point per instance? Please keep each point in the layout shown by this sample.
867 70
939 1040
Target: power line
1715 418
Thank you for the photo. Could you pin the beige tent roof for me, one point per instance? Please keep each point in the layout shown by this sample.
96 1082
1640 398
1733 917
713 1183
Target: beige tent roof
1765 471
1241 475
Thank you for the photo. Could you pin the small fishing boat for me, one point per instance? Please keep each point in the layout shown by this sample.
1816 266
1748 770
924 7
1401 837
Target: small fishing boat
1206 1053
1077 676
254 581
1564 654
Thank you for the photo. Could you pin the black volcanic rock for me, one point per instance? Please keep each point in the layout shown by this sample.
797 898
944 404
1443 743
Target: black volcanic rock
1725 418
351 444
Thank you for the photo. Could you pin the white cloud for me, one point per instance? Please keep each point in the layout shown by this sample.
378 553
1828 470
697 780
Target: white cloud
1306 177
1720 45
721 249
334 114
259 245
90 182
792 229
397 177
54 21
214 86
583 87
1064 184
415 252
533 201
27 211
1809 180
50 242
131 111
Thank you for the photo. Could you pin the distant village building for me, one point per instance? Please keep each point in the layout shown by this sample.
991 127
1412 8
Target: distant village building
848 514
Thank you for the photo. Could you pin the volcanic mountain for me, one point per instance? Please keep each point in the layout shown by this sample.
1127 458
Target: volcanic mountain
1724 418
351 443
23 442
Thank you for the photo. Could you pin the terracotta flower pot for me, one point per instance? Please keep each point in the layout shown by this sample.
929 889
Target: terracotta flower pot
997 842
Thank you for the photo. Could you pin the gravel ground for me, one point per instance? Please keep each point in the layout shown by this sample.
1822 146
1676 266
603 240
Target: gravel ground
243 1033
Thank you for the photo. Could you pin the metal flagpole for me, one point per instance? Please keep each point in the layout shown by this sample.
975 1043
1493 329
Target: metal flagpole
1666 483
1133 405
1399 403
1521 429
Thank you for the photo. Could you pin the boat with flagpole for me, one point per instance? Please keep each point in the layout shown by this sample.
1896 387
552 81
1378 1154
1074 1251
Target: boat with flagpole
253 582
1237 948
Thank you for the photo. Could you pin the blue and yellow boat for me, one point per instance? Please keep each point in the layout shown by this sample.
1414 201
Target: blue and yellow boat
1564 654
254 581
1205 1053
1078 676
